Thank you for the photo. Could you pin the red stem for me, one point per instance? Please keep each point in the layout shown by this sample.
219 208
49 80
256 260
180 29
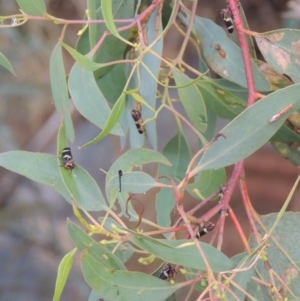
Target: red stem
245 51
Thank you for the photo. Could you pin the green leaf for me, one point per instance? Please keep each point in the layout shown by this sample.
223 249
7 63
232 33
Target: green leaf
84 242
41 168
60 90
82 60
4 62
174 252
124 252
149 70
136 140
290 152
124 285
33 7
63 273
221 101
178 153
112 48
134 182
280 49
112 121
241 278
94 295
230 64
133 157
208 182
112 83
191 100
251 129
95 13
107 11
285 264
258 290
82 187
136 157
88 99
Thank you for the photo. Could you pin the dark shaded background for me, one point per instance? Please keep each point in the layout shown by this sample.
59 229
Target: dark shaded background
33 237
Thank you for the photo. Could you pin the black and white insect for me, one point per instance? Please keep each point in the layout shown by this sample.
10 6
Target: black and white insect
120 172
167 272
67 159
227 18
137 117
208 226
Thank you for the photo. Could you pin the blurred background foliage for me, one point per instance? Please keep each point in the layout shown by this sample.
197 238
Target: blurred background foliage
33 236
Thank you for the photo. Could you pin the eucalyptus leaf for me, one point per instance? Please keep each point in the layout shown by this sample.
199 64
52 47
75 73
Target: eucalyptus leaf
134 182
82 187
177 151
82 60
60 90
88 98
4 62
251 129
124 285
280 49
222 55
63 273
149 73
191 100
84 242
112 121
32 7
286 264
183 252
41 168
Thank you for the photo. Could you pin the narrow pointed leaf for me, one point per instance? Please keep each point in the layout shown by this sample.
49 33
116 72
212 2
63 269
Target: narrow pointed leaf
84 242
171 251
136 157
4 62
41 168
221 101
60 90
222 55
148 85
208 182
281 49
178 152
251 129
63 274
191 100
112 121
107 11
88 98
82 187
82 60
134 182
124 285
33 7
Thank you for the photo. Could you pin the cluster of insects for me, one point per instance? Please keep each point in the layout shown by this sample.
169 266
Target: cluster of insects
137 118
227 16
